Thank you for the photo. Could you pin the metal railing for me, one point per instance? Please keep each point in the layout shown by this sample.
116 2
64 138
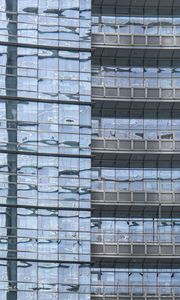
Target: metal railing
131 289
136 249
135 39
132 92
133 238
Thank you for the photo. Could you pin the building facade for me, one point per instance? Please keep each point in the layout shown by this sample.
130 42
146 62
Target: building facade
90 150
45 152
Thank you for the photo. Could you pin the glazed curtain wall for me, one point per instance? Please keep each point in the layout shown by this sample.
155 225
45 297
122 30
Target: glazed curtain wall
136 20
123 229
47 22
137 124
42 73
45 151
149 73
138 176
136 280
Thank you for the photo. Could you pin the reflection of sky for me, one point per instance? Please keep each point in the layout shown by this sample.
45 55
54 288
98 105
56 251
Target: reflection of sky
141 124
47 22
134 24
138 76
138 178
138 281
48 74
135 229
45 166
46 127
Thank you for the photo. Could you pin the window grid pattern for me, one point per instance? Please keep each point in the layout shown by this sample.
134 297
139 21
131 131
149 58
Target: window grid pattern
47 23
147 177
46 74
45 63
137 76
136 281
140 124
134 24
135 170
135 230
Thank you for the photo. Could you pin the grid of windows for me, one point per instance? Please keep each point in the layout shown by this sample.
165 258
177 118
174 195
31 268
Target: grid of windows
47 234
135 141
51 247
44 281
149 176
46 74
46 181
46 127
133 230
47 22
137 124
136 280
45 155
163 75
132 22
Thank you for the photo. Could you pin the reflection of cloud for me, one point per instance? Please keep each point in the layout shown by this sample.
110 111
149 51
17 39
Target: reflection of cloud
122 237
33 10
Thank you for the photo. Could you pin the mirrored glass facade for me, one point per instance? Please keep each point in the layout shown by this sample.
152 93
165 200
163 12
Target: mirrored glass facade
45 149
89 149
135 229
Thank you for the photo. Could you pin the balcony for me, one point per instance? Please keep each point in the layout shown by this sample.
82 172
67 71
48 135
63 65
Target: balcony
140 199
144 74
134 94
135 292
138 245
103 39
126 145
126 251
